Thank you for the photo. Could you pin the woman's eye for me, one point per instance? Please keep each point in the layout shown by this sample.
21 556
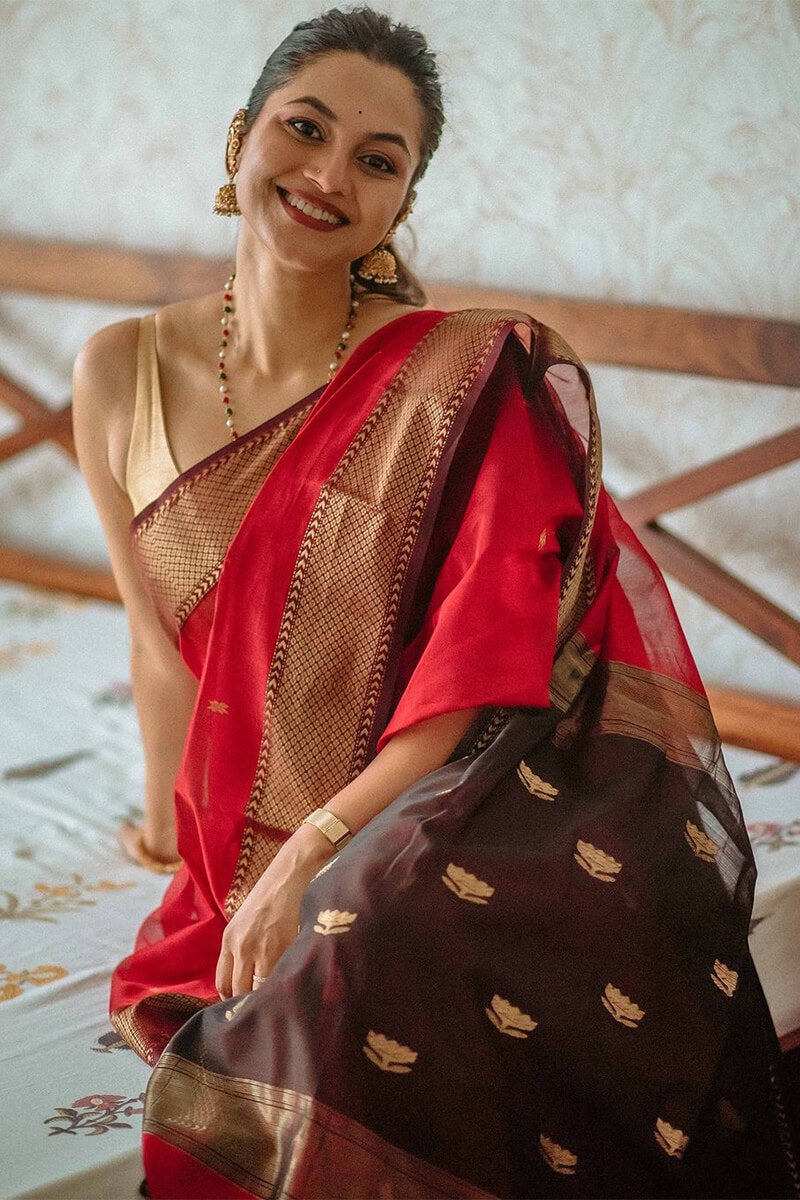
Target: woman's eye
303 127
379 163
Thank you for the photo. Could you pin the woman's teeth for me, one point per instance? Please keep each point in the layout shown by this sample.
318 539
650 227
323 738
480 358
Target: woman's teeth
317 213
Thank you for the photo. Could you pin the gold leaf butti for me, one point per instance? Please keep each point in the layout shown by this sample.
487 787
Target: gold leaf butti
466 886
724 977
622 1008
535 784
508 1019
388 1055
560 1160
331 920
702 845
596 862
672 1141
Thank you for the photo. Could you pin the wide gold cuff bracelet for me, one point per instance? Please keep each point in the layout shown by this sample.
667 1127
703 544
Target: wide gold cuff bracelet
335 830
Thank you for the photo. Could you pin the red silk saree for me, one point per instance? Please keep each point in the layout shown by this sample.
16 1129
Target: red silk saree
529 975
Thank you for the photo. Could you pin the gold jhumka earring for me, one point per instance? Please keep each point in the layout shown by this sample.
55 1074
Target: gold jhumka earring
225 200
380 265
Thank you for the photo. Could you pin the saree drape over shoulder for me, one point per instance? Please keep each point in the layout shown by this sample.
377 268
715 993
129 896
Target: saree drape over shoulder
529 975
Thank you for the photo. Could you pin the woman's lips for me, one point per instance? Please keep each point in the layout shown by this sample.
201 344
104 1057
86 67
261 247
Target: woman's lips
304 218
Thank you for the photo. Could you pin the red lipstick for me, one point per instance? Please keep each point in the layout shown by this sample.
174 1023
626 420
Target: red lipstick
304 218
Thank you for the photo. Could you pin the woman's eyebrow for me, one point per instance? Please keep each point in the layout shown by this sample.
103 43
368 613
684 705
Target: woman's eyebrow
396 138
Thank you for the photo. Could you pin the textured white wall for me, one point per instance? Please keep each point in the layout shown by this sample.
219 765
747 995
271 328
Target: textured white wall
642 150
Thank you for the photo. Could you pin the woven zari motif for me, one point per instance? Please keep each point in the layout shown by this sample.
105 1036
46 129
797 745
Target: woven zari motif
181 545
329 662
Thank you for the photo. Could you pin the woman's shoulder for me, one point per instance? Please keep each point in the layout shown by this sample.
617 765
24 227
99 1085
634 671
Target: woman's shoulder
104 372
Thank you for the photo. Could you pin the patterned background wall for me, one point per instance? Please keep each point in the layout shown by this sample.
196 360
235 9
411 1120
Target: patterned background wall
641 150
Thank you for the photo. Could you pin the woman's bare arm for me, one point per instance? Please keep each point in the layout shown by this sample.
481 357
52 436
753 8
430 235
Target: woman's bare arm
164 689
404 759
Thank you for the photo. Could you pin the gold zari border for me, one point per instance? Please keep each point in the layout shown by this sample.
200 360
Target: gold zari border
180 546
654 708
130 1022
271 1140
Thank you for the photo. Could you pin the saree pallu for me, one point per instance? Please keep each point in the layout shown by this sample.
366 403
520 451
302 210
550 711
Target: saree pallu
529 975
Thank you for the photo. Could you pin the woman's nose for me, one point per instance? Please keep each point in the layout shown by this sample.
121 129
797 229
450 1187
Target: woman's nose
330 174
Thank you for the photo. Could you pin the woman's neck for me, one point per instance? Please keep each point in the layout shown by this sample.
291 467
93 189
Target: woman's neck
286 319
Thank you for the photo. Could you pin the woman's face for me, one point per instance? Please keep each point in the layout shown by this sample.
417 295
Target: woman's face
343 137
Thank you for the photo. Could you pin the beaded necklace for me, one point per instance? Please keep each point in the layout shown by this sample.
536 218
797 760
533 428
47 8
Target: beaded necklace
227 309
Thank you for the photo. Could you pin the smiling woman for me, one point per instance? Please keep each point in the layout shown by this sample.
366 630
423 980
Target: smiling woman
461 883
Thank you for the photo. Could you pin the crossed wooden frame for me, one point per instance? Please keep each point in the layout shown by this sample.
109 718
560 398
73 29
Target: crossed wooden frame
748 349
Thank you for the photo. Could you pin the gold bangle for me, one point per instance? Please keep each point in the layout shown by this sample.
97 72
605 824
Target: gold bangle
146 859
334 829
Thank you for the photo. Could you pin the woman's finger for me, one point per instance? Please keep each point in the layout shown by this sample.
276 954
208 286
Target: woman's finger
261 970
243 970
222 980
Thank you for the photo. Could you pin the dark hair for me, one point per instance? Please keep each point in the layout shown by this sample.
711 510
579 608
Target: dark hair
374 35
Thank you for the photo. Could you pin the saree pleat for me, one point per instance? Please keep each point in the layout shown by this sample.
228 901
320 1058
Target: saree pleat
529 975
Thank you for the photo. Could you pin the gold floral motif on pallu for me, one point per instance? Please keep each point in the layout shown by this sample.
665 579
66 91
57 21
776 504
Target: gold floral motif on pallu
330 656
622 1008
274 1141
467 886
181 545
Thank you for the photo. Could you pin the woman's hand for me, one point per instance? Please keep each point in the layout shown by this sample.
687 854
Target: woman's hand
157 853
268 919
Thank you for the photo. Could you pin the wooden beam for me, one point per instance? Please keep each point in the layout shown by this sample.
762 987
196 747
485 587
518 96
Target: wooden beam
19 400
756 722
721 589
753 349
712 477
52 425
33 410
105 273
39 570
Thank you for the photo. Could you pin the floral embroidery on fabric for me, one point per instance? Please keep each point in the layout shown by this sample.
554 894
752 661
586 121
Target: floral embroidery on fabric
100 1115
13 655
46 766
12 983
775 772
772 835
725 978
508 1019
702 845
560 1160
37 606
672 1141
621 1007
596 862
217 706
466 886
120 692
388 1055
535 785
62 898
331 920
